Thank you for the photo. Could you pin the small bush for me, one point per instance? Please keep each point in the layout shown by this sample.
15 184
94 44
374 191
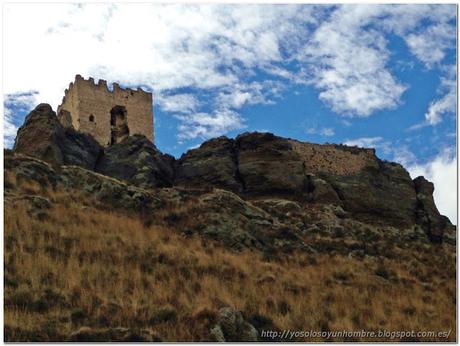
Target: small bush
40 305
382 272
166 314
78 316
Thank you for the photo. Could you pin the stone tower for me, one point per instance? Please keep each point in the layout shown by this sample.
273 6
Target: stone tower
109 116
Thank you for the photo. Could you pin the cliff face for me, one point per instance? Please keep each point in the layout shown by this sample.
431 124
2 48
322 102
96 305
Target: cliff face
261 164
255 166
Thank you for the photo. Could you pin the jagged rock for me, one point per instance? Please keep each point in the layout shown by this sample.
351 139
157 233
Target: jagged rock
262 164
233 221
257 166
104 189
282 207
383 195
320 191
43 136
269 165
87 334
214 163
427 214
108 190
29 168
231 327
137 161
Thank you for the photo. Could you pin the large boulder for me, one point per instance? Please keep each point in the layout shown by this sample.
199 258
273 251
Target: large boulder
268 164
214 163
43 136
231 327
137 161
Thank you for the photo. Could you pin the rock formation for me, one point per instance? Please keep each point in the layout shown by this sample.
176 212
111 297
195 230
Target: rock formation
253 168
43 136
138 162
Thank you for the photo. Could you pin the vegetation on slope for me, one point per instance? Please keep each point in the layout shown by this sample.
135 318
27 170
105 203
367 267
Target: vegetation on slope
69 265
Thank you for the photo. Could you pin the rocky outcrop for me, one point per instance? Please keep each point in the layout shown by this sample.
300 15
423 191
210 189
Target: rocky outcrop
214 163
106 190
261 164
231 327
240 224
134 160
43 136
255 166
427 214
270 225
383 195
137 161
269 165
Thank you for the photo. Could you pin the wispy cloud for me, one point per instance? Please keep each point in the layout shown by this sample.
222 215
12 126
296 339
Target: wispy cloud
364 142
15 103
216 59
325 131
206 125
447 103
348 63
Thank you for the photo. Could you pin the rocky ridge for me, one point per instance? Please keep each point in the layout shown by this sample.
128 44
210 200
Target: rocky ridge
253 183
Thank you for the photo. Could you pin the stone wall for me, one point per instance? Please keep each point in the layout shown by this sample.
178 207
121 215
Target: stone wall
90 105
334 159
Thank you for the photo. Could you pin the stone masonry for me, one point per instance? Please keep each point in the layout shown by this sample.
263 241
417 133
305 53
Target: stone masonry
333 158
109 116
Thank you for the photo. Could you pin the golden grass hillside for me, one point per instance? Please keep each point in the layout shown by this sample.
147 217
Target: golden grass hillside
69 265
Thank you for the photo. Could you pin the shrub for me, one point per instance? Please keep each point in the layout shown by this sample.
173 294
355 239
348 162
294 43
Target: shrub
382 272
165 314
40 305
78 316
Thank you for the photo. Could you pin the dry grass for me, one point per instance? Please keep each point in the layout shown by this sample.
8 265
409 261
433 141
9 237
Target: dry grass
79 266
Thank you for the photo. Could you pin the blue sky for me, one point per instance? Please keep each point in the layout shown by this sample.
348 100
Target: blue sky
378 76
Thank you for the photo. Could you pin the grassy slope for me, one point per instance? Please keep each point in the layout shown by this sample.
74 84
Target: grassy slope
73 265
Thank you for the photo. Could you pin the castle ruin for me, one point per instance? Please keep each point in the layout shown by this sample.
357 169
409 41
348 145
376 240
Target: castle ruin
108 116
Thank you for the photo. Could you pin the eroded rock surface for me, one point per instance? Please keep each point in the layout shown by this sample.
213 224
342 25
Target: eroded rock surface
261 164
213 164
137 161
43 136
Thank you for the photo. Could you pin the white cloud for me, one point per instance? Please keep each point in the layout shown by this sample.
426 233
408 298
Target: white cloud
19 101
349 56
198 58
180 103
212 50
348 63
205 125
325 131
442 171
447 103
364 142
238 95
